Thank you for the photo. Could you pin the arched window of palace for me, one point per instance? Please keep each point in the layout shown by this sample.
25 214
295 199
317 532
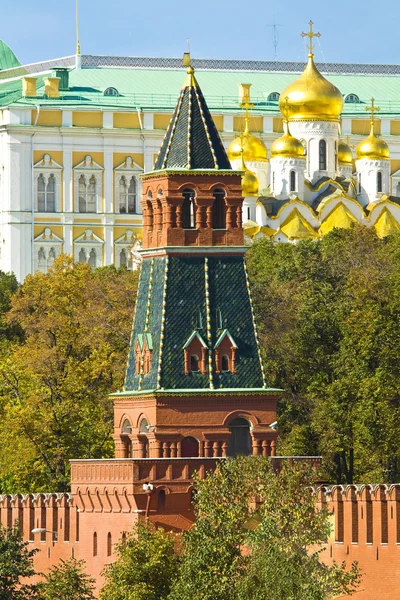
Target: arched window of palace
352 99
95 549
109 544
42 263
87 194
46 193
219 210
379 181
51 258
292 181
127 195
92 258
322 155
51 194
188 210
273 97
189 447
123 261
240 439
82 255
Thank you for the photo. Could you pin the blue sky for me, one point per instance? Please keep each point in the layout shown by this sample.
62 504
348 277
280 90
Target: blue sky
353 30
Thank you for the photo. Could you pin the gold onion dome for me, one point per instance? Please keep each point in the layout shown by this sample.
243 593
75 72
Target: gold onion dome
249 180
287 146
254 149
312 97
373 147
345 155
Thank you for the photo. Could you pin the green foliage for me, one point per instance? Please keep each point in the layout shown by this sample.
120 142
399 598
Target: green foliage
145 567
54 387
258 534
329 315
67 580
16 565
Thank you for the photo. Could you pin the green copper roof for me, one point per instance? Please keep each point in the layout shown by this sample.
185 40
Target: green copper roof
8 60
154 89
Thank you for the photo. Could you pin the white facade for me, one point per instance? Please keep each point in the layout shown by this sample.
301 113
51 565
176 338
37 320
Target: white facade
373 180
287 177
49 197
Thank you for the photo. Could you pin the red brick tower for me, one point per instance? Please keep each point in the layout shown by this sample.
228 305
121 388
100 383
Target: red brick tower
195 390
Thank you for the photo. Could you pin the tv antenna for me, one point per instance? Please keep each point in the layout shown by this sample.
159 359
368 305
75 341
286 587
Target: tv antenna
275 36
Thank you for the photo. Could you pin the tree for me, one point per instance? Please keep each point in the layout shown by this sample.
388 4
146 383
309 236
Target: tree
67 580
54 387
145 567
16 564
328 314
258 534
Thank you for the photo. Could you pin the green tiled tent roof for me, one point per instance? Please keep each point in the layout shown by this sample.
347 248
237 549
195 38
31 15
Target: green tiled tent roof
185 299
192 140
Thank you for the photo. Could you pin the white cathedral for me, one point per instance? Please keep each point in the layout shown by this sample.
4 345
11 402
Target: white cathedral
310 185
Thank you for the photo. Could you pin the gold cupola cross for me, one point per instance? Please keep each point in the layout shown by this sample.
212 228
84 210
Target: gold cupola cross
372 109
310 34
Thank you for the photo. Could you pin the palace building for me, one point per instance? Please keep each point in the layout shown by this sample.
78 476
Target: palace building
76 134
195 390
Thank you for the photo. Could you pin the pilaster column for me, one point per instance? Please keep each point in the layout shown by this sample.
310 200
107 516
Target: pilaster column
108 182
68 180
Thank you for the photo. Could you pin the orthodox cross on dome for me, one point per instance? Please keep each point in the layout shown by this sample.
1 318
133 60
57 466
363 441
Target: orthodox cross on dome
351 146
372 109
310 34
285 110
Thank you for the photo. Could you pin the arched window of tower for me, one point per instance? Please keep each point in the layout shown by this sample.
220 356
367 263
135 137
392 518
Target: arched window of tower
144 426
219 210
126 427
292 181
225 362
379 182
189 447
240 439
322 155
188 209
194 363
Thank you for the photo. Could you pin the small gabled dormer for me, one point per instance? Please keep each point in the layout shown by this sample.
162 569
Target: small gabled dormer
225 353
195 354
147 352
143 352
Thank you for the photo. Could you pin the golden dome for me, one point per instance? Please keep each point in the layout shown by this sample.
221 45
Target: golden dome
345 155
287 145
311 97
373 147
249 179
249 184
254 149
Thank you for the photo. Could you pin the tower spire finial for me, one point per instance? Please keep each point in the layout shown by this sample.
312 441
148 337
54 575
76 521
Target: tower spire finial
310 34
